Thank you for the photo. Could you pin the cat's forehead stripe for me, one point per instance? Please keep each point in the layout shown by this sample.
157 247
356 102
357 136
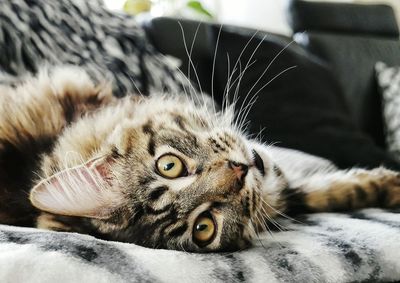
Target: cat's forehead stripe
216 146
184 143
182 139
148 129
180 121
226 139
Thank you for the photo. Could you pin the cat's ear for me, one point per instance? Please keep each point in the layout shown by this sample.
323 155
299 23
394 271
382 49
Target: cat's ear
84 190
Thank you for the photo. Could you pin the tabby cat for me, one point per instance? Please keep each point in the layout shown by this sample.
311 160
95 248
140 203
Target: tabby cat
158 171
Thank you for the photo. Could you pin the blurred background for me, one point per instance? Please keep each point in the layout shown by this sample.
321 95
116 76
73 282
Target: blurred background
259 14
325 74
324 86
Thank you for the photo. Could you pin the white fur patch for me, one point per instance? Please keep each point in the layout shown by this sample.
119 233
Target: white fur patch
77 191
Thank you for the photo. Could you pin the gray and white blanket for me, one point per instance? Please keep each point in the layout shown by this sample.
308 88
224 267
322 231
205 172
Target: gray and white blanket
82 33
359 247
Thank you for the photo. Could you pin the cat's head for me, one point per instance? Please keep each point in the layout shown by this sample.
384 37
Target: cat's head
176 176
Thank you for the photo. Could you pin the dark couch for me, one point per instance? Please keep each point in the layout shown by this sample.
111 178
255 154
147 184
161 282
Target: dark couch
328 104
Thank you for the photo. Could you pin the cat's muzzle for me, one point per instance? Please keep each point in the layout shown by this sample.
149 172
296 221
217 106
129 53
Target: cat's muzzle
240 171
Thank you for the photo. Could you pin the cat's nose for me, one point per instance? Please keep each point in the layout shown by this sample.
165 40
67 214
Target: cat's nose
240 170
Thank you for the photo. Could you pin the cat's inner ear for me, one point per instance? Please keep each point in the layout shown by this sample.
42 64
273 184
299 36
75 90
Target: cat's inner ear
84 190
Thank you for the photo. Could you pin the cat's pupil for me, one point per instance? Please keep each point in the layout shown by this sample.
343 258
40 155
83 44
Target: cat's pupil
169 166
201 227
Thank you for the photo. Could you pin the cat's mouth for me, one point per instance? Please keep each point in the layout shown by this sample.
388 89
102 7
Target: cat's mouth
258 162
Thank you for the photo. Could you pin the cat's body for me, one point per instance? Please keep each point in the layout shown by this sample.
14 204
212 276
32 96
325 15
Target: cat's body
161 172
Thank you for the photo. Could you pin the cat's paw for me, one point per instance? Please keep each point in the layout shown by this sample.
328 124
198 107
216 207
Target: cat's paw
386 184
75 83
73 88
49 221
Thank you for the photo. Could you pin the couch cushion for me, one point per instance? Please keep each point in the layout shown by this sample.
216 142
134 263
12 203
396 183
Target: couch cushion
83 33
303 108
372 19
352 41
352 58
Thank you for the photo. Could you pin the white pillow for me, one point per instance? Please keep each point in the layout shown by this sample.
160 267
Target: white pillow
389 82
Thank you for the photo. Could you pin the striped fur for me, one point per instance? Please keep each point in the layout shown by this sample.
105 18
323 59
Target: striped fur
88 160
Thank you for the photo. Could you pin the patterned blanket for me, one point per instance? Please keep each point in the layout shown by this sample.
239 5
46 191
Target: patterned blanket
359 247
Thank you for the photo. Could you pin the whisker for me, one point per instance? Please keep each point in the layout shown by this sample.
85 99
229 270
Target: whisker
248 107
246 110
273 221
248 62
134 84
213 66
263 223
275 77
281 213
251 227
225 97
270 64
189 54
258 80
238 61
191 65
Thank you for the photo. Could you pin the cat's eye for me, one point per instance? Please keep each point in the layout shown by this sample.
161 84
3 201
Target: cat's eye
204 229
170 166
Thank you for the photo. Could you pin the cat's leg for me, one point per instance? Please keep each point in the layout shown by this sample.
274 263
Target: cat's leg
41 106
344 190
